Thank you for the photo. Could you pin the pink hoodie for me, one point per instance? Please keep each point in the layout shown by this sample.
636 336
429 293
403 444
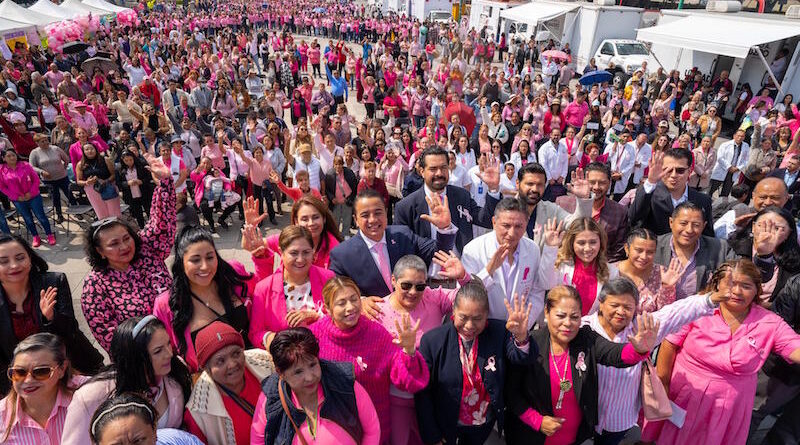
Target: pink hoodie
16 182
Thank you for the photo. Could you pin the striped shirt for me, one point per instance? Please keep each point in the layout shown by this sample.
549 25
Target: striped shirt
619 401
26 431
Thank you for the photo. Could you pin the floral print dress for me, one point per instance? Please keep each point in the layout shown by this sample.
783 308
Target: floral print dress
111 296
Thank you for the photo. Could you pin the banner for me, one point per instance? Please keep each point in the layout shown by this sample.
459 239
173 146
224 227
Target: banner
15 37
4 49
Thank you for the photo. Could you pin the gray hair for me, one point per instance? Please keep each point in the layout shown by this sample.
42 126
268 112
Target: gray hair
409 262
619 286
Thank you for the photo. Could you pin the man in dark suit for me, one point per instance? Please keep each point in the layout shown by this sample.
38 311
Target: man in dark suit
340 189
369 257
611 216
790 176
665 188
463 209
700 255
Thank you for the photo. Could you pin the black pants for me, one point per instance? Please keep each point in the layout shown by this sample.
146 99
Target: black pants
786 429
137 210
474 435
263 193
241 185
56 187
608 438
316 70
370 110
209 215
726 184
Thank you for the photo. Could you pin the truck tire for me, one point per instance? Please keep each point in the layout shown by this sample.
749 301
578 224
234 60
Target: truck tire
620 79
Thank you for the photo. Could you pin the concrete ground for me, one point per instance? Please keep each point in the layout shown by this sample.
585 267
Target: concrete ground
68 255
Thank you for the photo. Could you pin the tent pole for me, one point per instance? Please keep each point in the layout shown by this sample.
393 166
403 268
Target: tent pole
769 70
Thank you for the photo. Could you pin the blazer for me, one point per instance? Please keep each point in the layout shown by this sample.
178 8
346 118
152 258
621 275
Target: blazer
82 354
613 219
464 212
794 187
353 259
146 188
438 404
330 186
529 386
712 253
724 161
653 210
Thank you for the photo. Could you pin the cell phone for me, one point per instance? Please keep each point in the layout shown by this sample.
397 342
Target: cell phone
618 128
592 126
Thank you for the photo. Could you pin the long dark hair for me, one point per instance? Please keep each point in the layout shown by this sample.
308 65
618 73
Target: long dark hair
330 227
230 284
131 367
38 264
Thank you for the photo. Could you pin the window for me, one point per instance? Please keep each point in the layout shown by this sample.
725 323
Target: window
607 50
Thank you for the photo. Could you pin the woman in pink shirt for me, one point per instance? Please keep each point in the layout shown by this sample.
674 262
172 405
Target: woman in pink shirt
713 363
302 383
19 181
413 298
555 399
292 296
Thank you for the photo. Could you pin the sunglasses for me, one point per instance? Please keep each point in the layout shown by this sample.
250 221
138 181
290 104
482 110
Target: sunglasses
678 170
40 373
419 287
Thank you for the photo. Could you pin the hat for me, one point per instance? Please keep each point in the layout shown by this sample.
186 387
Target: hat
79 104
628 122
214 337
176 138
512 98
303 148
495 103
663 124
595 103
252 71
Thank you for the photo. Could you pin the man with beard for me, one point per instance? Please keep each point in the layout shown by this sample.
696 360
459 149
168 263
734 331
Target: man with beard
531 182
465 212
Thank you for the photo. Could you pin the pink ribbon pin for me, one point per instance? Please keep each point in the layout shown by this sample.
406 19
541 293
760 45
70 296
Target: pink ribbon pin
580 365
490 364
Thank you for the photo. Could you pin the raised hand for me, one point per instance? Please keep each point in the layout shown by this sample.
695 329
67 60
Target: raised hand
551 425
497 259
517 323
672 273
252 241
646 335
579 185
723 292
439 212
744 220
553 232
251 214
274 177
47 302
767 235
406 335
656 167
452 269
491 174
157 167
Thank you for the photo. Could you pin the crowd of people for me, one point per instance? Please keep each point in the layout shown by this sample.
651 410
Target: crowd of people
494 249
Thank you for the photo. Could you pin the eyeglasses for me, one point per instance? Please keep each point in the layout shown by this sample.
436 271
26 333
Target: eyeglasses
419 287
678 170
39 373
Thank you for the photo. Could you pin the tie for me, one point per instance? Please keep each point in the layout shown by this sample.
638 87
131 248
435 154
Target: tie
383 264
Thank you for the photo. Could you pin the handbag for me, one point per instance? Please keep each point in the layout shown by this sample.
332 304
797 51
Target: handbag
107 190
655 402
289 414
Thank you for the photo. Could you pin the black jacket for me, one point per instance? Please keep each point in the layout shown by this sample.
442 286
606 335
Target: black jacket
330 185
82 354
529 386
438 404
464 212
143 174
653 210
787 305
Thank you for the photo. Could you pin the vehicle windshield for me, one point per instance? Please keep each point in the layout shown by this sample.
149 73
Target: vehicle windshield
440 15
629 49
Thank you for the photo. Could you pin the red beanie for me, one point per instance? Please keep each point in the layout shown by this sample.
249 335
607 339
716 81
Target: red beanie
214 337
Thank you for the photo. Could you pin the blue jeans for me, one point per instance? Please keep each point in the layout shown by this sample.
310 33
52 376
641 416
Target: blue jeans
28 208
3 223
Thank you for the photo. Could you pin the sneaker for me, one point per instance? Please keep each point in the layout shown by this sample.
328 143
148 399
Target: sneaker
36 241
51 239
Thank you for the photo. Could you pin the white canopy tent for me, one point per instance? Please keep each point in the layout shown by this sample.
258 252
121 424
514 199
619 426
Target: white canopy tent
102 4
7 26
49 8
732 36
538 12
12 11
83 8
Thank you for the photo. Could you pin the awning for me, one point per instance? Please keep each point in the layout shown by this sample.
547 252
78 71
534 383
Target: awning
12 11
535 12
727 36
83 8
49 8
7 26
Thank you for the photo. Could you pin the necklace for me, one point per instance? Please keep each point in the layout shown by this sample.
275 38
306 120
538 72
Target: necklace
564 385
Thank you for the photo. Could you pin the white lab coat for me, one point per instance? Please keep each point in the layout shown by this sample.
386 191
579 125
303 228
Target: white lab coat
725 154
534 276
621 159
642 157
554 159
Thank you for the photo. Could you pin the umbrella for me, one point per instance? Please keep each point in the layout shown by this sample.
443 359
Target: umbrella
319 10
465 113
73 47
555 54
105 65
597 76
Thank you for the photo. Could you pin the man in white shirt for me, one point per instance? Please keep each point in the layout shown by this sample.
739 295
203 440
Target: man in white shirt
641 158
458 174
620 160
309 163
553 157
732 158
254 85
171 97
510 264
328 151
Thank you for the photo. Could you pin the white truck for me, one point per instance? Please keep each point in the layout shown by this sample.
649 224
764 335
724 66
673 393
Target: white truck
627 55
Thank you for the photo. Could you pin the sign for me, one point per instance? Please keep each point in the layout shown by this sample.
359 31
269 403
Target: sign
15 37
